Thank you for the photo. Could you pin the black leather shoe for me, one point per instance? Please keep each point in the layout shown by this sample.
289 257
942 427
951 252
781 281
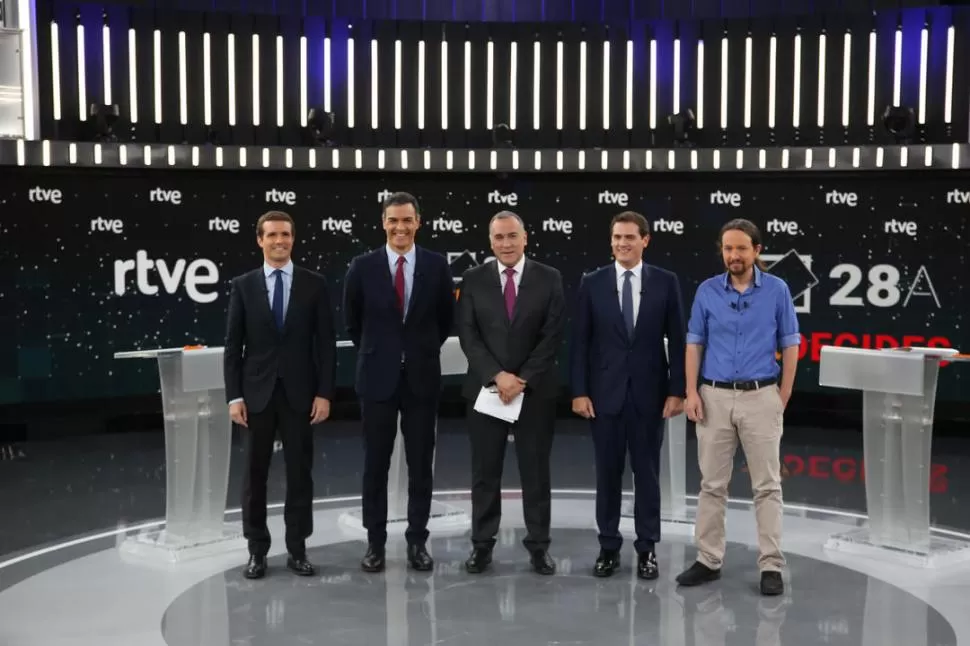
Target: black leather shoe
300 566
542 563
479 560
373 561
697 574
256 568
419 559
771 584
607 563
647 566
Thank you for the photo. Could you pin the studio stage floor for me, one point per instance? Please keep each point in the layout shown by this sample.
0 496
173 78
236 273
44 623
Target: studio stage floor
71 582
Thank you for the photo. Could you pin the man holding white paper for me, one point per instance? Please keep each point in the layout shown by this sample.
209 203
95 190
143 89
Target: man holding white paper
511 320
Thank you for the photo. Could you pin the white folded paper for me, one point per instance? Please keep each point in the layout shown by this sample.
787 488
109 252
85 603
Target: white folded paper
489 403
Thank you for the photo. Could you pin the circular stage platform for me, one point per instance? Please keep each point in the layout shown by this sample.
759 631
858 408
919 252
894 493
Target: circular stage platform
90 591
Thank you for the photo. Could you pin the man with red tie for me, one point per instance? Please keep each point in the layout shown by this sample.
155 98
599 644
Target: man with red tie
399 307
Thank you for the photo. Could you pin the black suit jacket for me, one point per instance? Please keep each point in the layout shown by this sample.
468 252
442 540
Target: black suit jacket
303 354
382 338
527 346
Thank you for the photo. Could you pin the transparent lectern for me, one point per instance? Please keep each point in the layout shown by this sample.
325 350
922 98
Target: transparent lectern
198 434
444 517
898 398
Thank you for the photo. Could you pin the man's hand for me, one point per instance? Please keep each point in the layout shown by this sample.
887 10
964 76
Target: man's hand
673 406
238 414
694 407
509 386
785 394
320 410
583 406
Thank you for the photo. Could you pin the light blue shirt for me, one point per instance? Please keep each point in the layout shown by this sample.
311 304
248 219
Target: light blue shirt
409 257
271 284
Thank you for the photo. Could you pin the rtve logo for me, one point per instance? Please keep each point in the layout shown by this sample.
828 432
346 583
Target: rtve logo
900 226
190 274
558 226
496 197
383 195
839 198
783 226
40 194
618 199
274 196
447 226
956 196
337 226
163 196
721 198
675 227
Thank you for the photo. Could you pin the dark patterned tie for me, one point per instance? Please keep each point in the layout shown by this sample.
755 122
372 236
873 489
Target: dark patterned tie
627 302
399 283
278 299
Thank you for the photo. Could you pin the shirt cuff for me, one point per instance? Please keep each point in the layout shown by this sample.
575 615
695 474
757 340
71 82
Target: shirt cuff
790 340
695 339
236 401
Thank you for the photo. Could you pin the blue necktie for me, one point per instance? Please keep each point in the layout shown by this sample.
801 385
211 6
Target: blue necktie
278 299
627 302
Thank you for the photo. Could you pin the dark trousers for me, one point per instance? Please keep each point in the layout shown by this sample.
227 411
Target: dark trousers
294 430
640 434
380 420
533 444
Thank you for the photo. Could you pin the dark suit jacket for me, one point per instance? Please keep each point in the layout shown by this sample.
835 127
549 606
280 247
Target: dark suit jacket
603 359
374 323
526 346
303 354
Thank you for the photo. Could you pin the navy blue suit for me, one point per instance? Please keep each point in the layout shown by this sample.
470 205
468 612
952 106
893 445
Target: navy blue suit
398 372
628 380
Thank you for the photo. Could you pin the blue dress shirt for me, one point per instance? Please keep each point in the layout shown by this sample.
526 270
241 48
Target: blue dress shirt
741 332
271 284
392 257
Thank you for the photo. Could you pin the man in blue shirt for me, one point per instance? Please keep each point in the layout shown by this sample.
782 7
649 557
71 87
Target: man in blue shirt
738 322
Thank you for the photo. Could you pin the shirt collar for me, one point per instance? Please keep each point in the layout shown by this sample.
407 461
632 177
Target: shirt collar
726 279
392 255
517 267
268 269
637 270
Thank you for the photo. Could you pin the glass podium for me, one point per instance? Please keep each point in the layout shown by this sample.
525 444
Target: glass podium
198 435
898 398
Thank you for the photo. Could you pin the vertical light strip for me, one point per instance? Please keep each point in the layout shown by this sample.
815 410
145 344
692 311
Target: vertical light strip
56 69
82 86
871 105
652 116
304 90
327 63
536 83
676 72
420 85
280 111
629 85
132 79
373 83
490 85
559 82
255 55
898 67
724 83
468 85
444 85
231 53
582 85
157 69
513 83
606 85
822 41
772 80
207 78
924 45
106 63
183 82
700 84
28 77
846 76
350 83
796 115
747 81
948 90
397 84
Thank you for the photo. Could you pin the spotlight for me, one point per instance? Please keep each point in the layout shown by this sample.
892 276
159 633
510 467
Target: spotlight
104 118
502 136
321 127
899 122
682 124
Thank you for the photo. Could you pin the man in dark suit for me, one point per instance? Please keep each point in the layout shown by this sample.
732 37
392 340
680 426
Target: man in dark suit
399 308
511 326
624 384
280 367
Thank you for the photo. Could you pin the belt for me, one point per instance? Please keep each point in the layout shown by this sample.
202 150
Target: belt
740 385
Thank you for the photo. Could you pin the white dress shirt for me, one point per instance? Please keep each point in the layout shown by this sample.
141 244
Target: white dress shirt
516 277
636 282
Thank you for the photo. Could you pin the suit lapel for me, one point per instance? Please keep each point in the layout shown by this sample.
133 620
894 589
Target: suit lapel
525 287
494 289
613 300
259 287
646 293
416 282
296 290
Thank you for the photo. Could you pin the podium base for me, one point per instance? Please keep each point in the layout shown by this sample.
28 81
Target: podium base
160 546
942 552
444 518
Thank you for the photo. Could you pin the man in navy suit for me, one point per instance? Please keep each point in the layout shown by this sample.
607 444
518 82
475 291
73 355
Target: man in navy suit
623 383
399 307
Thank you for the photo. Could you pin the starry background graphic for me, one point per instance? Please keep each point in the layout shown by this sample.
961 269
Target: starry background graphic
62 320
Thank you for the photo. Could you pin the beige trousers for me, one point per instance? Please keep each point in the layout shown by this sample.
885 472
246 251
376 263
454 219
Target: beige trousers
755 418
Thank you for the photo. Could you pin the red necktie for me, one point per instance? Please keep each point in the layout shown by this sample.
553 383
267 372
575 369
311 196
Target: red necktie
399 283
510 291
